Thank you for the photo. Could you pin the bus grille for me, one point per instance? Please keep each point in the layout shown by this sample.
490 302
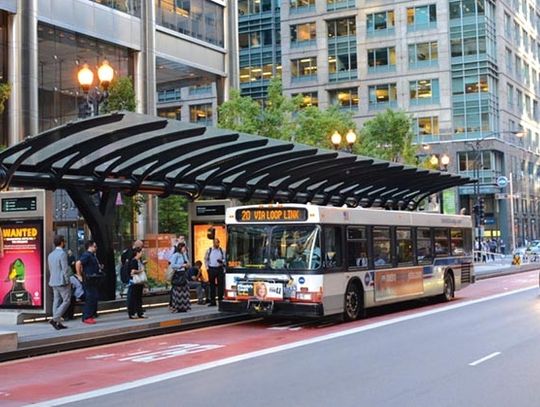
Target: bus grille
466 273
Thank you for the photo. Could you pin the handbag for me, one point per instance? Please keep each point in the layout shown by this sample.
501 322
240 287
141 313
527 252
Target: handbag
169 273
139 278
179 278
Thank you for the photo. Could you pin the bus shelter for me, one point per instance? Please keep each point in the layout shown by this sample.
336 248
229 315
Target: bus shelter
95 158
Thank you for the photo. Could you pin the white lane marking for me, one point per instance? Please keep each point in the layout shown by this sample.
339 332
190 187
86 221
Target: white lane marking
491 356
251 355
170 352
100 356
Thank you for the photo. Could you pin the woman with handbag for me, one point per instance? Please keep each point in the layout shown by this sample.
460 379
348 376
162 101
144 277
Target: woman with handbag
180 299
136 285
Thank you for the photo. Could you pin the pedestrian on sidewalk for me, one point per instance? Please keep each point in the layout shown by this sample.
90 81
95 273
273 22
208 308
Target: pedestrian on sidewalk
59 282
135 298
180 298
125 268
89 271
502 247
215 264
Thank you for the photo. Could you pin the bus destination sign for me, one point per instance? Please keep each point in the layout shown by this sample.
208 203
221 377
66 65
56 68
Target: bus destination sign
272 215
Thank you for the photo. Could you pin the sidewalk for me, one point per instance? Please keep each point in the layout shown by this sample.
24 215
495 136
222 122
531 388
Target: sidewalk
40 337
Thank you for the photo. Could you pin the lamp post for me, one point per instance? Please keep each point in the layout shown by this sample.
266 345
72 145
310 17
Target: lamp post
350 137
94 97
441 163
478 207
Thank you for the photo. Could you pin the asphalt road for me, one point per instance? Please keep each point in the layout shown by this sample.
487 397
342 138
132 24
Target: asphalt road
483 354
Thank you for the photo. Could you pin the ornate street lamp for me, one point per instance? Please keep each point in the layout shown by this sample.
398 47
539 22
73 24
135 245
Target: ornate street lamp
94 97
350 137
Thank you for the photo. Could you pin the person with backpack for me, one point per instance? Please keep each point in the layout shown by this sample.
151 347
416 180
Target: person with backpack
215 264
125 269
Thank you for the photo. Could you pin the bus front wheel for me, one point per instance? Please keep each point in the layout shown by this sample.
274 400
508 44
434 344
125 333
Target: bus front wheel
354 303
449 288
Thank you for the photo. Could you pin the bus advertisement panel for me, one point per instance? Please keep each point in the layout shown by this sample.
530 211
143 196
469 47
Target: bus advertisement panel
21 264
391 284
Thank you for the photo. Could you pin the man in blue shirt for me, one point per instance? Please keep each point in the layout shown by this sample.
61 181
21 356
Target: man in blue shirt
89 269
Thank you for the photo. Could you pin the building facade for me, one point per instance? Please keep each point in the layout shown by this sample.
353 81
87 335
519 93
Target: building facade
468 72
259 39
181 55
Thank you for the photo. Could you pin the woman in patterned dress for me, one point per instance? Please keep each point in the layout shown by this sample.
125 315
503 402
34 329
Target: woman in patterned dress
180 298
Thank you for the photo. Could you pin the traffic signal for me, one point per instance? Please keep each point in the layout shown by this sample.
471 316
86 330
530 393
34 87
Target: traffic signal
476 209
481 211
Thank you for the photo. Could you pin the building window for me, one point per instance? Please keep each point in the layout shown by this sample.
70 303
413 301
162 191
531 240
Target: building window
308 99
342 57
423 54
381 59
424 91
201 114
59 91
381 23
173 113
426 126
341 27
421 17
304 69
466 8
255 39
345 98
201 19
466 160
332 5
303 34
299 6
510 96
248 7
381 96
508 59
470 84
132 7
168 95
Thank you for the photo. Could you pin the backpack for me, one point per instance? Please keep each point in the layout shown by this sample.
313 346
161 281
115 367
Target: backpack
125 272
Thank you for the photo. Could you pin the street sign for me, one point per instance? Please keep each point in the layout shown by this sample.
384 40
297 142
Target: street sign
502 196
502 181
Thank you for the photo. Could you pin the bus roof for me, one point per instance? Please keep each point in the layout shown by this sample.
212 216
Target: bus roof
300 213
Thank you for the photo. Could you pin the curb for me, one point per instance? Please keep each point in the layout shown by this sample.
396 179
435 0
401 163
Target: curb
514 270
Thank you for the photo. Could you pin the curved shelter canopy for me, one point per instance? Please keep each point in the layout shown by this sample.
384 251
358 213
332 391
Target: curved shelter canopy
132 153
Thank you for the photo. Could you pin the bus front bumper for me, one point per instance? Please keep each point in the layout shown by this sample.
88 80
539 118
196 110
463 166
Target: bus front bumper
273 308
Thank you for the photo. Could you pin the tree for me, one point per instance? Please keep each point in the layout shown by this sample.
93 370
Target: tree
277 118
172 214
121 96
5 91
315 126
239 113
388 136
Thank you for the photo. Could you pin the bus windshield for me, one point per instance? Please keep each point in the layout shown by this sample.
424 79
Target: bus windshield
280 247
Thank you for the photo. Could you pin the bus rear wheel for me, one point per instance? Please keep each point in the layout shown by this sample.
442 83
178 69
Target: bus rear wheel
449 288
354 303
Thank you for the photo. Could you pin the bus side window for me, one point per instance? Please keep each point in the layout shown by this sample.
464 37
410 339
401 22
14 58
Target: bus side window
423 246
457 242
382 255
333 249
441 242
357 246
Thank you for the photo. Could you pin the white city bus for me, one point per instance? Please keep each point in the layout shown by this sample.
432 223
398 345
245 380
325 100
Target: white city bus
308 260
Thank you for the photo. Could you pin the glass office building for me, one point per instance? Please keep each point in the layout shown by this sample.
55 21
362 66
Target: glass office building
467 71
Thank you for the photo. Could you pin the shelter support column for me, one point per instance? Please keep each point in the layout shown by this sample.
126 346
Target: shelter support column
99 215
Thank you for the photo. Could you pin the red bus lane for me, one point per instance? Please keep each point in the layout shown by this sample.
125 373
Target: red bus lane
104 366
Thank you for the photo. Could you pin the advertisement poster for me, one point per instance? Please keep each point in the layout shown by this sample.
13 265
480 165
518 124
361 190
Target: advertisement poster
261 290
201 243
21 264
390 284
158 248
